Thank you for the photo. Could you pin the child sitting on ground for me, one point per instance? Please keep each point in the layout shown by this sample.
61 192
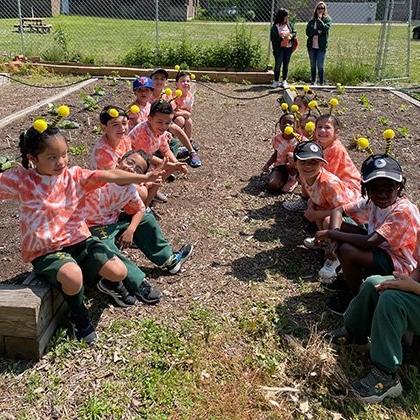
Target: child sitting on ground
143 90
281 178
183 104
325 190
55 237
135 225
160 77
393 226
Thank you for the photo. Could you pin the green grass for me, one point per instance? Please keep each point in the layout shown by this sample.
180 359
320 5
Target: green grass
351 53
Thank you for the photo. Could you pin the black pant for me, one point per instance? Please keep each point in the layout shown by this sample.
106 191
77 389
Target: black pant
282 57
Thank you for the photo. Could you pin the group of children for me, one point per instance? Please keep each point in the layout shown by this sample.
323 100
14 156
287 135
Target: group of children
367 228
75 222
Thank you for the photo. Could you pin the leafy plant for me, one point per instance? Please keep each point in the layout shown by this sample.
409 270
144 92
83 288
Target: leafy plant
78 150
99 91
68 124
383 120
89 103
403 131
364 100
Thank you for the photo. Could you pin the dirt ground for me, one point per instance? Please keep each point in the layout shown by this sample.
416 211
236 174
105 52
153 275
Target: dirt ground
242 235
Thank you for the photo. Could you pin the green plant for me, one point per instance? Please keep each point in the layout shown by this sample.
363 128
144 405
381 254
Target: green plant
340 89
205 78
383 120
364 100
68 124
96 130
99 91
89 103
403 131
78 150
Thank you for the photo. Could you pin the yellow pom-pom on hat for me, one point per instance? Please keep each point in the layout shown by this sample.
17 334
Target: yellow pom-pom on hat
306 88
168 92
294 108
333 102
192 76
177 68
310 127
178 93
63 111
134 109
284 106
40 125
313 104
113 113
389 134
363 142
292 88
288 130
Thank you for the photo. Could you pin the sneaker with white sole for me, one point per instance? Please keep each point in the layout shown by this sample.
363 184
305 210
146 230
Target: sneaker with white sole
311 244
328 272
183 153
275 84
194 160
285 85
290 185
376 386
298 206
179 258
117 291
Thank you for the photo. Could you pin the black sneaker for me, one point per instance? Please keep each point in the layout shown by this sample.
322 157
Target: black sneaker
117 291
338 285
83 329
376 386
179 258
342 337
148 293
339 302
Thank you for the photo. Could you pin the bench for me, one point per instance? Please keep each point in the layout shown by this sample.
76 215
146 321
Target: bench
30 313
33 25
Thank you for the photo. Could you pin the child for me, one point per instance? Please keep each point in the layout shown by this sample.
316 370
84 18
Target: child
327 134
389 244
136 225
385 308
326 192
304 119
55 237
143 90
281 179
302 102
159 78
183 104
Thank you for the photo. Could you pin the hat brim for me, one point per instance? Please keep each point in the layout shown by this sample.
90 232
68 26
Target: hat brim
163 71
311 157
382 174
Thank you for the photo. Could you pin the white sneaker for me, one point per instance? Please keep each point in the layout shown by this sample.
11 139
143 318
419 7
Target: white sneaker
299 205
275 84
328 272
310 244
285 84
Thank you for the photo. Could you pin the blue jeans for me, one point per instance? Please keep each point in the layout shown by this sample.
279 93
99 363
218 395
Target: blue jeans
281 57
317 58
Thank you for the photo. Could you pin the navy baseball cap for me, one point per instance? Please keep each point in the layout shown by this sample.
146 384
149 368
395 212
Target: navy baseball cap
308 150
160 70
381 166
143 82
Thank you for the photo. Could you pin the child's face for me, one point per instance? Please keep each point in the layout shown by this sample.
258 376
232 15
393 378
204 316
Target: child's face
116 128
287 120
54 159
383 192
325 132
143 95
184 83
160 123
303 106
159 82
308 169
134 163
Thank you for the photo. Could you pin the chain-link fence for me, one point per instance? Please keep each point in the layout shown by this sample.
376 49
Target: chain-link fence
202 33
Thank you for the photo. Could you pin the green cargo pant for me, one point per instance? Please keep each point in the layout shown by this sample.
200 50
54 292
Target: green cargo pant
385 317
149 238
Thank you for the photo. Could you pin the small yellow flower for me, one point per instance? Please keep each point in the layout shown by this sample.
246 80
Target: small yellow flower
363 142
310 127
178 93
333 102
168 92
284 106
113 113
40 125
134 109
294 108
63 111
306 88
313 104
177 68
192 76
292 88
288 130
389 134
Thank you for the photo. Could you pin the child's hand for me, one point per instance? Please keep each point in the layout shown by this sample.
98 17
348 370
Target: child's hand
126 239
321 236
402 282
171 167
331 250
155 176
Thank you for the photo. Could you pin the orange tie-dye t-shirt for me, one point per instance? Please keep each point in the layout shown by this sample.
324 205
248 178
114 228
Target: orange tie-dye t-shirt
341 165
184 103
283 147
142 138
398 224
104 205
328 191
50 215
105 156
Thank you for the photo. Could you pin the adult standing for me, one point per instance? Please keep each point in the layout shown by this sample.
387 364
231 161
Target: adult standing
317 31
282 37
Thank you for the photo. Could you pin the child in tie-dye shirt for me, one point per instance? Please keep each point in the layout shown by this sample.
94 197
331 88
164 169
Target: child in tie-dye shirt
55 237
143 89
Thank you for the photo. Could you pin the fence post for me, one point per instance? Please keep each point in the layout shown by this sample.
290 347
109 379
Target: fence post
157 25
410 11
22 38
269 38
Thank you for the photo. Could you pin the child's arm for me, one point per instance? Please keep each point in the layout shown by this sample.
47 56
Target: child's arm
120 177
270 161
182 113
126 238
403 282
361 241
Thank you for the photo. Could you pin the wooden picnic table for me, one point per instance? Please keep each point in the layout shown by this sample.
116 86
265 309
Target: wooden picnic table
33 24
